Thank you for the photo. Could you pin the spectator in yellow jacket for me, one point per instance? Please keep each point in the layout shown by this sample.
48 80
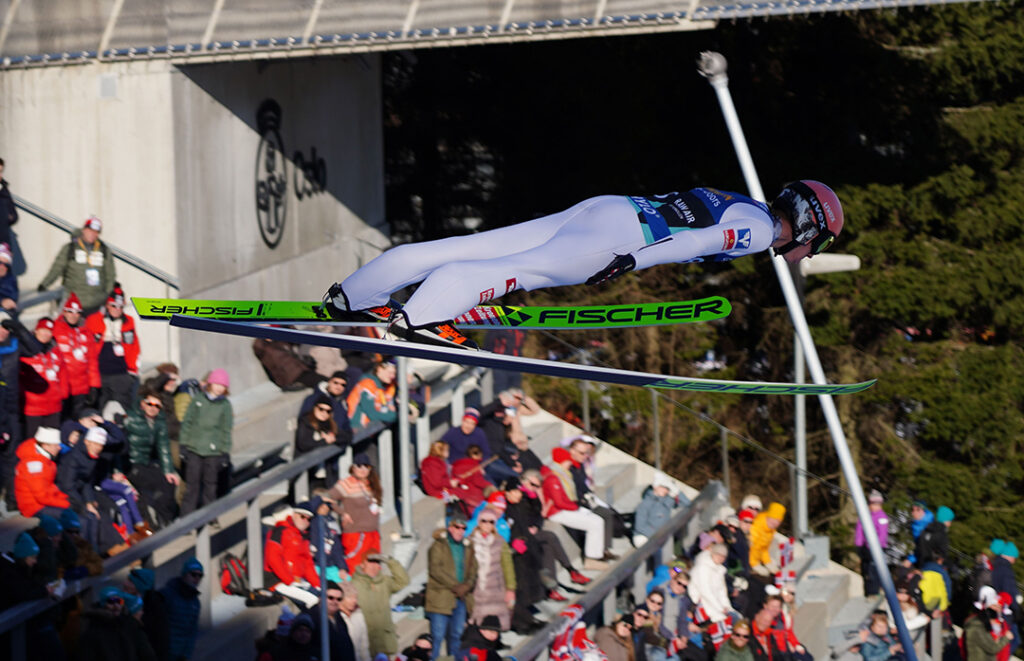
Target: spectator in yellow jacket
761 534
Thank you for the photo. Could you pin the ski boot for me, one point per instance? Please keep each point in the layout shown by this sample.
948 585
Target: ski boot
443 333
335 305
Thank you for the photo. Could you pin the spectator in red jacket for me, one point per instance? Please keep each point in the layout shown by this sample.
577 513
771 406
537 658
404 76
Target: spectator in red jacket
561 506
288 563
435 475
117 351
35 478
83 367
473 484
44 381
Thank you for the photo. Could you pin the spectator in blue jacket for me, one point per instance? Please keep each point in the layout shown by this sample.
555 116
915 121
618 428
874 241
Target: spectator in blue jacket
181 595
655 509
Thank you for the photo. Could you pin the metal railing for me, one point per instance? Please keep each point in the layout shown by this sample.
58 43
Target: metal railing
602 592
70 228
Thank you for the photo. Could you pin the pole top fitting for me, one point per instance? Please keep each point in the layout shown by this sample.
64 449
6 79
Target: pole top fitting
712 65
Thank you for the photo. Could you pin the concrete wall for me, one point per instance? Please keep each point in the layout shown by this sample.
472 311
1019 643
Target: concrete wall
167 157
330 105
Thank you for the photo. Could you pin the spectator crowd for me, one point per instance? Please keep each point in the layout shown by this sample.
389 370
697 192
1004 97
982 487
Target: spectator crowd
101 459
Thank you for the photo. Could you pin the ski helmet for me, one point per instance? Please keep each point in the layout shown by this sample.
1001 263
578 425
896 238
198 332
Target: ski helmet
816 216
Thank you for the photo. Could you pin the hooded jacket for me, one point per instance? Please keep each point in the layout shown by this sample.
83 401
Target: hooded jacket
287 554
78 474
707 586
761 535
35 478
441 576
182 616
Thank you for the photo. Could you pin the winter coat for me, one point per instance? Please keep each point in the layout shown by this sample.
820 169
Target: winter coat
114 342
559 491
72 263
917 526
652 513
473 485
707 586
279 361
148 441
371 401
78 474
615 648
933 543
978 641
339 640
729 652
19 585
44 381
287 555
77 351
375 602
309 436
1003 579
495 573
206 429
458 443
761 536
877 648
441 576
107 636
340 411
156 384
8 212
359 634
35 478
436 478
881 522
182 616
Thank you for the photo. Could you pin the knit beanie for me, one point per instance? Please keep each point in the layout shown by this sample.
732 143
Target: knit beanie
944 514
50 525
192 564
25 546
144 580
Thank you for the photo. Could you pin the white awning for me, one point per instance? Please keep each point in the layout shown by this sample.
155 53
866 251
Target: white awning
62 32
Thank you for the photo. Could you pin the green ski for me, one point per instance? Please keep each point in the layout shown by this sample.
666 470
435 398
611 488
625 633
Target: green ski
481 317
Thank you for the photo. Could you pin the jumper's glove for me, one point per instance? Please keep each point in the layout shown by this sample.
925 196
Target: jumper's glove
618 266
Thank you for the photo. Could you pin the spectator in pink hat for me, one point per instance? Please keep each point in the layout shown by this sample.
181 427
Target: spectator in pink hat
206 440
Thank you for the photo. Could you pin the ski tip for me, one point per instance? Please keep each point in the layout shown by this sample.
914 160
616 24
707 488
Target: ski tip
762 388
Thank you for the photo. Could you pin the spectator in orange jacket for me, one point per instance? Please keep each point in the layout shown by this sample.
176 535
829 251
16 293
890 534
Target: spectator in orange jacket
288 562
761 534
35 478
83 367
117 351
44 381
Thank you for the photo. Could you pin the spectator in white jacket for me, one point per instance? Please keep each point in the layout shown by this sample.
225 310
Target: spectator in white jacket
355 622
707 582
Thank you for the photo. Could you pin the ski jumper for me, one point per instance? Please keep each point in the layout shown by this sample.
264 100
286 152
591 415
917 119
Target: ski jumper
564 248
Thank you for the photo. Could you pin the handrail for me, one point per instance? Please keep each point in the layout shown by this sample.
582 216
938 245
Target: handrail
20 613
602 587
126 257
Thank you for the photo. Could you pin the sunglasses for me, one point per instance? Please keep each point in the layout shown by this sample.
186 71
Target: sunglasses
115 600
458 526
156 404
741 635
330 598
656 602
491 521
325 409
196 574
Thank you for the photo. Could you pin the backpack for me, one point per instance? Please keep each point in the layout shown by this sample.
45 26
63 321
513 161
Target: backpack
234 576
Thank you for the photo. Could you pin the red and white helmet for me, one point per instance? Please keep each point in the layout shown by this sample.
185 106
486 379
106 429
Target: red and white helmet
816 216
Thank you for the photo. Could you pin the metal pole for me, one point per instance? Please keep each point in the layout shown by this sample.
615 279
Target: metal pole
800 431
320 534
724 433
585 387
713 66
657 429
404 447
254 543
206 586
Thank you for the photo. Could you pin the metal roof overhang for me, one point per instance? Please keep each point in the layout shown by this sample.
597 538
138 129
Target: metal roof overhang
63 32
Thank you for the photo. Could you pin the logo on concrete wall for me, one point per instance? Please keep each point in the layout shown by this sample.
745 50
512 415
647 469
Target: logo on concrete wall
309 174
271 175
